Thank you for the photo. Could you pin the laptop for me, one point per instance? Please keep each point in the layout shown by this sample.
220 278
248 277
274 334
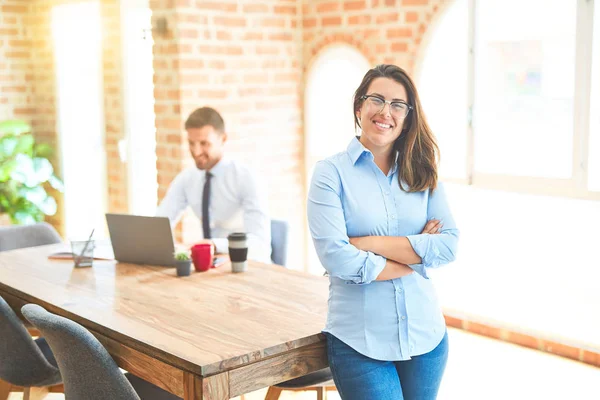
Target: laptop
141 240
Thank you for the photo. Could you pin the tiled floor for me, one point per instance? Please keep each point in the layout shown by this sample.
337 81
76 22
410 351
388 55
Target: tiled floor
485 369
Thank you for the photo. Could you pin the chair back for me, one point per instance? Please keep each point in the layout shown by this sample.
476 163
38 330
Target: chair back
19 236
279 241
22 363
87 369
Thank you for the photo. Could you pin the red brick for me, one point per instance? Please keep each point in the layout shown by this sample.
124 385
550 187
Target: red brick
355 5
281 36
285 10
359 19
216 6
19 43
253 36
190 63
267 50
399 46
309 22
411 16
224 35
255 8
234 22
415 2
328 7
188 34
275 22
484 330
591 357
386 18
216 64
453 322
14 9
395 33
329 21
523 340
560 349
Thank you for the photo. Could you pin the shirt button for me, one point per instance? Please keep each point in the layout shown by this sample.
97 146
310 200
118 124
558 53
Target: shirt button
387 193
393 216
399 290
403 317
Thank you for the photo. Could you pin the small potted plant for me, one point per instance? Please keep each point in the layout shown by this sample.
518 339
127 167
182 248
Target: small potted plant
183 263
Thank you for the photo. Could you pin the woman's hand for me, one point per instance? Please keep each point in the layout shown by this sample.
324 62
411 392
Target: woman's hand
433 226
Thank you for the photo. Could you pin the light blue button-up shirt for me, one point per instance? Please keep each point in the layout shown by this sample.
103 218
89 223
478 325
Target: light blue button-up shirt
385 320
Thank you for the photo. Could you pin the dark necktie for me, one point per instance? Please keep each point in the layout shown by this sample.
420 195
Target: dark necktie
205 206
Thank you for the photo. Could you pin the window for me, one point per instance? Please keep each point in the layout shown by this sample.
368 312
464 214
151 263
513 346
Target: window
139 107
507 85
77 39
524 87
443 91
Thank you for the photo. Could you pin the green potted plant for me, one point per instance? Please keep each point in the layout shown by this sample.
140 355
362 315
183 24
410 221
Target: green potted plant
25 174
183 263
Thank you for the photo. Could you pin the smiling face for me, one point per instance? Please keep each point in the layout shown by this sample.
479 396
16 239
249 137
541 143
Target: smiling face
381 126
206 146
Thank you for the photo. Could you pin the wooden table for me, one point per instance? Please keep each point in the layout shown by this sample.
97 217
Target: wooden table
212 335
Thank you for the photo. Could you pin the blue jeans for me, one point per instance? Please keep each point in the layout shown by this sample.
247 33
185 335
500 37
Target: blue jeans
358 377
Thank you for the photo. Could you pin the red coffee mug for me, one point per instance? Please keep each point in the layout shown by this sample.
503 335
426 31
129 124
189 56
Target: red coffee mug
202 256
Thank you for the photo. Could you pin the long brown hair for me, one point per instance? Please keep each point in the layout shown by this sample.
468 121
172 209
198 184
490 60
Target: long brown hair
418 151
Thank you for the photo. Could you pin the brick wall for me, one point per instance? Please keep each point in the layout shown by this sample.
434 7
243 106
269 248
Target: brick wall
385 31
16 68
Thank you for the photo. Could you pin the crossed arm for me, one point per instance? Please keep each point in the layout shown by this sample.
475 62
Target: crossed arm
365 259
396 249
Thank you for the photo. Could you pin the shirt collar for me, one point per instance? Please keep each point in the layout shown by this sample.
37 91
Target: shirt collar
219 168
356 149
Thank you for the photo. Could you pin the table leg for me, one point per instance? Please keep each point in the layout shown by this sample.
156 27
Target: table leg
214 387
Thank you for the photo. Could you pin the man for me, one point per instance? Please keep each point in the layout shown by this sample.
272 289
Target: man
221 192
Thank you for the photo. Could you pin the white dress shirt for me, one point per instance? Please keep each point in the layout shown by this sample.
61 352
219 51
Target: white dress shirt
236 205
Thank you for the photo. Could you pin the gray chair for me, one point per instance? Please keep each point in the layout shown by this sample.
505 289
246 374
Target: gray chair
321 380
19 236
279 241
88 371
24 362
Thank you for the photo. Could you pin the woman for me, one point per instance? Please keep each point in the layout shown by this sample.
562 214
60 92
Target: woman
379 220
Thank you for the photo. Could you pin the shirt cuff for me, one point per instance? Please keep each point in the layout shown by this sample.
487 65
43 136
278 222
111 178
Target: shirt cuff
423 246
419 269
373 266
221 245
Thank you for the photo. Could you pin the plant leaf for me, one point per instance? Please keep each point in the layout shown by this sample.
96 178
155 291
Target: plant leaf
8 145
56 183
24 172
36 195
43 150
6 169
43 169
49 206
25 145
25 218
16 127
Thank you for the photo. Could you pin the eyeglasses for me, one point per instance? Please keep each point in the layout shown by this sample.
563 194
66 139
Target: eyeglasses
397 108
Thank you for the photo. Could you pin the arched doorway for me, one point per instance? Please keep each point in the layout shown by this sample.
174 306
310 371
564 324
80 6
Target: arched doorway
331 81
